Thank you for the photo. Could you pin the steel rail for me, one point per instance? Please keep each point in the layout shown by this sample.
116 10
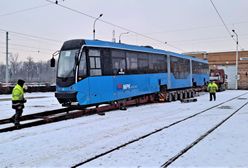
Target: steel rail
37 115
183 151
151 133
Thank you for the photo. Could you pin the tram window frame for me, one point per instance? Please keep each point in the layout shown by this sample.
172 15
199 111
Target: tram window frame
157 63
106 62
118 60
143 63
199 67
82 67
162 63
94 57
132 62
180 67
195 67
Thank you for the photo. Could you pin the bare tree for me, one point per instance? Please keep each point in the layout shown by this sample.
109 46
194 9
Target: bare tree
29 70
2 72
14 66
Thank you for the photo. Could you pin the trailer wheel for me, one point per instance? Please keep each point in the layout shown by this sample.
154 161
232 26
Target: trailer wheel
170 97
191 94
180 96
185 95
175 96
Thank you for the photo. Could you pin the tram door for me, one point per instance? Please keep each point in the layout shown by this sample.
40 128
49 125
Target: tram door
96 91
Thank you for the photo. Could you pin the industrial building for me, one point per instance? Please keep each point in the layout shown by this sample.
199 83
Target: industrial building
227 61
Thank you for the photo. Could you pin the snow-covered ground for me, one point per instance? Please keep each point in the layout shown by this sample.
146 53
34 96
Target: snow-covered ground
36 102
70 142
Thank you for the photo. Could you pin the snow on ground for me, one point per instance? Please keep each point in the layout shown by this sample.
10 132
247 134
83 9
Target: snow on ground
156 149
227 146
69 142
36 102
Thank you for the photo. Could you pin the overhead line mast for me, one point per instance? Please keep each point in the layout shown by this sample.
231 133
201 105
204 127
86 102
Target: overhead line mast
7 59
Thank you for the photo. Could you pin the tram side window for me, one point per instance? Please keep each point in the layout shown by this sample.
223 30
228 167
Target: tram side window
199 68
157 63
162 63
118 62
132 62
206 69
82 70
95 62
180 67
106 62
143 63
194 67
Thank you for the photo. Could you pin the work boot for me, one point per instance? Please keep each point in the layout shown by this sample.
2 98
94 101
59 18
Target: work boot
12 119
16 122
17 125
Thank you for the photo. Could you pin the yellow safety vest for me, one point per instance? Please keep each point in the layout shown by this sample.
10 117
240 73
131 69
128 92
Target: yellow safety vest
212 87
17 93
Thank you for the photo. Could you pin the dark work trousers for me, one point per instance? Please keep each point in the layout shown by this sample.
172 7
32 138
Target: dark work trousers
212 95
17 116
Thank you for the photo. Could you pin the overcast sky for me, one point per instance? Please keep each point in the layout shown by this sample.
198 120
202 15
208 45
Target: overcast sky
189 25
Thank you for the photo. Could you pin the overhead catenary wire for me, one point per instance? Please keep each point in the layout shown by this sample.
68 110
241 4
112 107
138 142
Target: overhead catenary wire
244 36
22 39
31 47
59 42
194 28
114 25
33 52
20 48
222 20
15 47
24 10
27 46
32 36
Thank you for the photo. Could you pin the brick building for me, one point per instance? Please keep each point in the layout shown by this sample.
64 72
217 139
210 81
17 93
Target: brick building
227 61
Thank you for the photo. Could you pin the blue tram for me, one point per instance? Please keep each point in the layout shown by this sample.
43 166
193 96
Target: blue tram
91 72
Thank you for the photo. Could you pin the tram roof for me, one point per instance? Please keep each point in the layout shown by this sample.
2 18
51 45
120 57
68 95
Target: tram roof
107 44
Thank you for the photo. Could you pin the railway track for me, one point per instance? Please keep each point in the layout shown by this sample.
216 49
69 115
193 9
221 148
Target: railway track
66 113
41 118
183 151
28 98
70 113
171 160
36 115
52 116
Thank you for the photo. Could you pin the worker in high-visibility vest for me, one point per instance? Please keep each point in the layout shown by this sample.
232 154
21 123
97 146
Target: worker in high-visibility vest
18 100
212 88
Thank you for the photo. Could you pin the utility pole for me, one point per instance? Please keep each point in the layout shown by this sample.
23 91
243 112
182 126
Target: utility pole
121 35
7 59
113 34
94 30
237 57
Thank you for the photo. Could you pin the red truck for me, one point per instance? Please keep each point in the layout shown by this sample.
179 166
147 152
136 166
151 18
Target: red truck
220 78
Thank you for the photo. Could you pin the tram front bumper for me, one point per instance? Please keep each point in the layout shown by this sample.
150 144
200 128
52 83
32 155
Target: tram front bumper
65 98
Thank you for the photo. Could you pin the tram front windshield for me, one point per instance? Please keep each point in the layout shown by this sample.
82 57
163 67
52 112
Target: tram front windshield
66 63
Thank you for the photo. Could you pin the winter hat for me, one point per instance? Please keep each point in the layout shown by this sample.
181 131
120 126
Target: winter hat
20 82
